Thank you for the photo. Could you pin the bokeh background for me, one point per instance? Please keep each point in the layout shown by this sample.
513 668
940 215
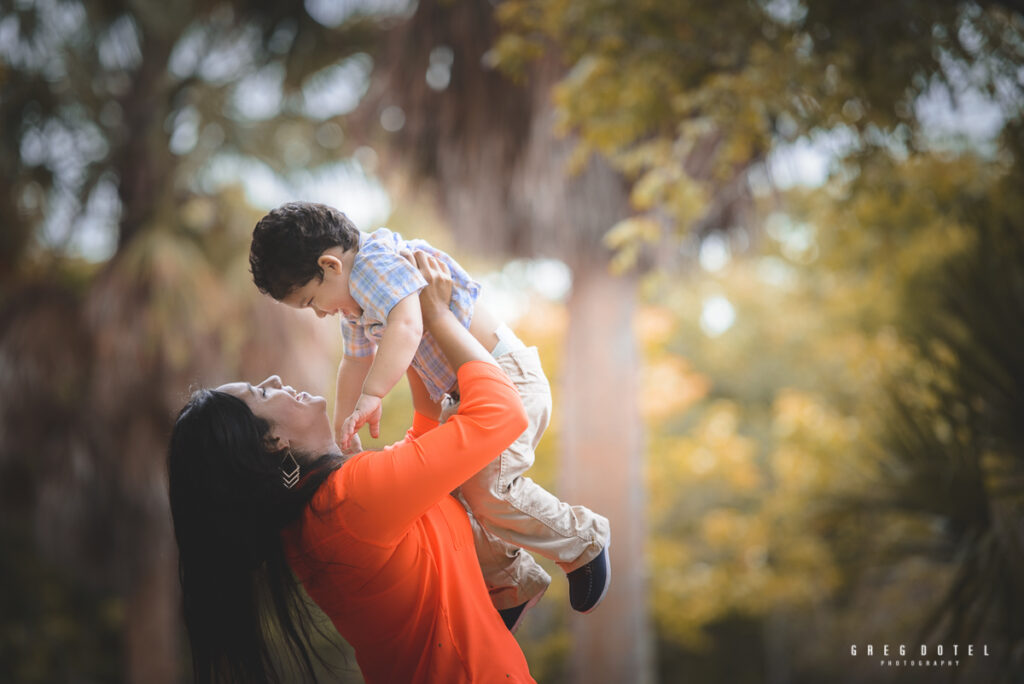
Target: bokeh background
772 252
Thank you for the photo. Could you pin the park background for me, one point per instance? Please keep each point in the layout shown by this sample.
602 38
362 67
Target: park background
772 252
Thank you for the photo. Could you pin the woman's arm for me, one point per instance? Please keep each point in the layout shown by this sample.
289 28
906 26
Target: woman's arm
390 489
393 487
457 344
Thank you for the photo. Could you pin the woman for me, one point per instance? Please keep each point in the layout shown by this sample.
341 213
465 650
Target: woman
258 488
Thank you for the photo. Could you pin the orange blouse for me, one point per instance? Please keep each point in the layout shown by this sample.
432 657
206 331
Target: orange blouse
388 554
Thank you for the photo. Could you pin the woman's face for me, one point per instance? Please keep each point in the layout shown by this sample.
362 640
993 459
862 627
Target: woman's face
298 419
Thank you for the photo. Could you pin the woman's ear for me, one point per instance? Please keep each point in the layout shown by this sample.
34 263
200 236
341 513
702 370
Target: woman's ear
274 443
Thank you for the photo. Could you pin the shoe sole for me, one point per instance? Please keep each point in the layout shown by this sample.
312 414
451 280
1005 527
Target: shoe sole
607 584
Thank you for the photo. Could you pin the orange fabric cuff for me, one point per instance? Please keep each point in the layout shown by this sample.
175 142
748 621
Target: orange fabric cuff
421 424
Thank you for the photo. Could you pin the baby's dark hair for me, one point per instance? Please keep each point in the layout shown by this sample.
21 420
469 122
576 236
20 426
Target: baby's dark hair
287 242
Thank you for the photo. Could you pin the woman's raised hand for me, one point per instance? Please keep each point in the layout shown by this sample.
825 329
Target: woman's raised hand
436 296
455 341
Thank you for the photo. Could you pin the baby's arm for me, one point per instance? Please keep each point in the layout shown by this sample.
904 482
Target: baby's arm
352 371
398 344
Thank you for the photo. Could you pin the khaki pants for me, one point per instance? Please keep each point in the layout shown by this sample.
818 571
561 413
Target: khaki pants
510 512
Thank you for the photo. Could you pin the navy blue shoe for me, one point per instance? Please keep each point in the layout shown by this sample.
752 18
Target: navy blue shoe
589 584
513 617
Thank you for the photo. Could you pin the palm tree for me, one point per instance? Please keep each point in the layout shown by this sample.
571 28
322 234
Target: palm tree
954 447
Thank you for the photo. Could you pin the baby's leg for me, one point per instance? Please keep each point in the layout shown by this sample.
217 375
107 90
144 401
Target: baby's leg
515 508
421 401
512 576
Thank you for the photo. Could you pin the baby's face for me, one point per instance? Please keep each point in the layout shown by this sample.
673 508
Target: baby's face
329 296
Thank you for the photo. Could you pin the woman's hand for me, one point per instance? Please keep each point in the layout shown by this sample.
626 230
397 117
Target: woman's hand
436 297
455 341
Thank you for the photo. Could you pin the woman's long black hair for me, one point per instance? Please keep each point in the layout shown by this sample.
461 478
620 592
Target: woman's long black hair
229 508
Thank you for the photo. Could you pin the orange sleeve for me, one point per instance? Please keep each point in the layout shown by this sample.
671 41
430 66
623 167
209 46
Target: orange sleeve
421 425
389 489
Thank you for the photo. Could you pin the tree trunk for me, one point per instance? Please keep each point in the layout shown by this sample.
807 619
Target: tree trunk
602 468
151 613
142 157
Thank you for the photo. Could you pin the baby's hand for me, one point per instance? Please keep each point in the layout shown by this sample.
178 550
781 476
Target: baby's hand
368 410
354 446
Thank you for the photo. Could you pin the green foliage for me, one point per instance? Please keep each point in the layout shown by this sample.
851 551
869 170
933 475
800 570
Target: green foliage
135 100
767 438
684 97
954 441
52 628
741 471
845 458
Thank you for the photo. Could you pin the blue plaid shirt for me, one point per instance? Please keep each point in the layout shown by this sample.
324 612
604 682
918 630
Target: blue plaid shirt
381 278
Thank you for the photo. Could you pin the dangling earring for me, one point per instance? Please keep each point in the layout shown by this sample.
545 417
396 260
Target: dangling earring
289 470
